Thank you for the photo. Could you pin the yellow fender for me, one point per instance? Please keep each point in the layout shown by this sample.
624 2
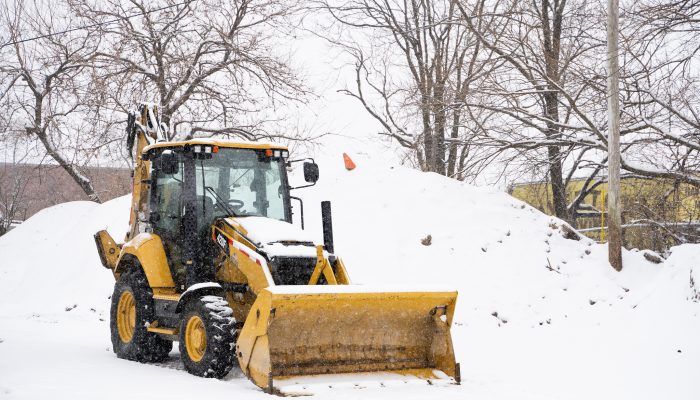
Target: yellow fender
107 248
148 249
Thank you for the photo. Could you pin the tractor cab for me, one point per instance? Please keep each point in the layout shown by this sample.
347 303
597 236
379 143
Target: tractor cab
196 182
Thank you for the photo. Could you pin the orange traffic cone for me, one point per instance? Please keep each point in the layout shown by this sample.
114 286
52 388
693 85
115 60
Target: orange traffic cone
349 164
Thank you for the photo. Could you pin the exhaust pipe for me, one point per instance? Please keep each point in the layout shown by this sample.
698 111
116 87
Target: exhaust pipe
327 226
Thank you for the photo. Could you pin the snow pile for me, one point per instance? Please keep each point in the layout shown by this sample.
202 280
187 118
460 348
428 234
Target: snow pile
539 315
50 263
687 257
396 225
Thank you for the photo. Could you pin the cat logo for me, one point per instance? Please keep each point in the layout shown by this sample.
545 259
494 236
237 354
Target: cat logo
223 242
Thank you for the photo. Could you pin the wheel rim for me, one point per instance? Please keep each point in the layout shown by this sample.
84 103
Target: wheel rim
195 338
126 317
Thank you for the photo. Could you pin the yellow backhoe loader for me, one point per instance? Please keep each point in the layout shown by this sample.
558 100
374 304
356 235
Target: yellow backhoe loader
213 261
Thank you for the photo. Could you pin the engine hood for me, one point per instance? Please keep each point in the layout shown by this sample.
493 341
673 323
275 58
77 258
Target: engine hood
276 238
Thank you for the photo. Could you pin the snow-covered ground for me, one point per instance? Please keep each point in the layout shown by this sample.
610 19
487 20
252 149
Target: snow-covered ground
539 316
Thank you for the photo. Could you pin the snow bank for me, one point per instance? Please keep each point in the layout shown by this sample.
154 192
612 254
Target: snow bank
503 256
538 315
50 263
687 258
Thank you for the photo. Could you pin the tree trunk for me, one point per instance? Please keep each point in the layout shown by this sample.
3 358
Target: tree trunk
440 118
41 134
82 181
552 46
428 137
557 181
556 175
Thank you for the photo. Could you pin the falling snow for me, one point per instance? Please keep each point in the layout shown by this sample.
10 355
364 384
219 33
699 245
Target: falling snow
538 316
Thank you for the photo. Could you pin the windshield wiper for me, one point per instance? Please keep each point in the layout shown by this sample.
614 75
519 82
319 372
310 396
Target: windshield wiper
221 201
233 185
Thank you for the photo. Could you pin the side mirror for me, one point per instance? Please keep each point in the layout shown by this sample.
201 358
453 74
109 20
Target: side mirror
311 172
168 163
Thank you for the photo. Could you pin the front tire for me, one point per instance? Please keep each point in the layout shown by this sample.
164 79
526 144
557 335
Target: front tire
207 337
132 310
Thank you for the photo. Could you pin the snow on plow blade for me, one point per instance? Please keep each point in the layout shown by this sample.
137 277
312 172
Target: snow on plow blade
295 331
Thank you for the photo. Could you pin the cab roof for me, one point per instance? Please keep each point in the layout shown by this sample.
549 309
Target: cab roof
217 142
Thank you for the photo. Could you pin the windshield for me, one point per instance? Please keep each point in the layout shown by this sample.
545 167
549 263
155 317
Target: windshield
243 182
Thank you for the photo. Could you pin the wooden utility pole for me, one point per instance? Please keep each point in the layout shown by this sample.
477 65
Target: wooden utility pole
614 217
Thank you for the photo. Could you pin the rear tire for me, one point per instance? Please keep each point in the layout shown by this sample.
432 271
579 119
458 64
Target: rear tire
207 337
132 309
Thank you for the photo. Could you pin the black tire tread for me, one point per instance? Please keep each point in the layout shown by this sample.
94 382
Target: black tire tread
220 326
145 346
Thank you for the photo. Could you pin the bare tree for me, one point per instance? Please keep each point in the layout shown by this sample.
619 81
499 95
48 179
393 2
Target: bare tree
415 68
13 184
43 86
481 83
547 89
662 90
523 87
210 66
551 89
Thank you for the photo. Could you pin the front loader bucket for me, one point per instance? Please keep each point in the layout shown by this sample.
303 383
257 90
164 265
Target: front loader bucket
294 331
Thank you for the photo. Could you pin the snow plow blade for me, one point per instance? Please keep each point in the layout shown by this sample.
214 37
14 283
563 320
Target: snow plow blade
298 331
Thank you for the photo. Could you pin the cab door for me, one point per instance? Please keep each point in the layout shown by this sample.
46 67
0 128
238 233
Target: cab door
167 208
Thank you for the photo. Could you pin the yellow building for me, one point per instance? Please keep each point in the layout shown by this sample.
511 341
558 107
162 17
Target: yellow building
656 213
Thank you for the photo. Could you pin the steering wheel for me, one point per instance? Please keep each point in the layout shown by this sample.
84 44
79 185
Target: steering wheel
234 204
